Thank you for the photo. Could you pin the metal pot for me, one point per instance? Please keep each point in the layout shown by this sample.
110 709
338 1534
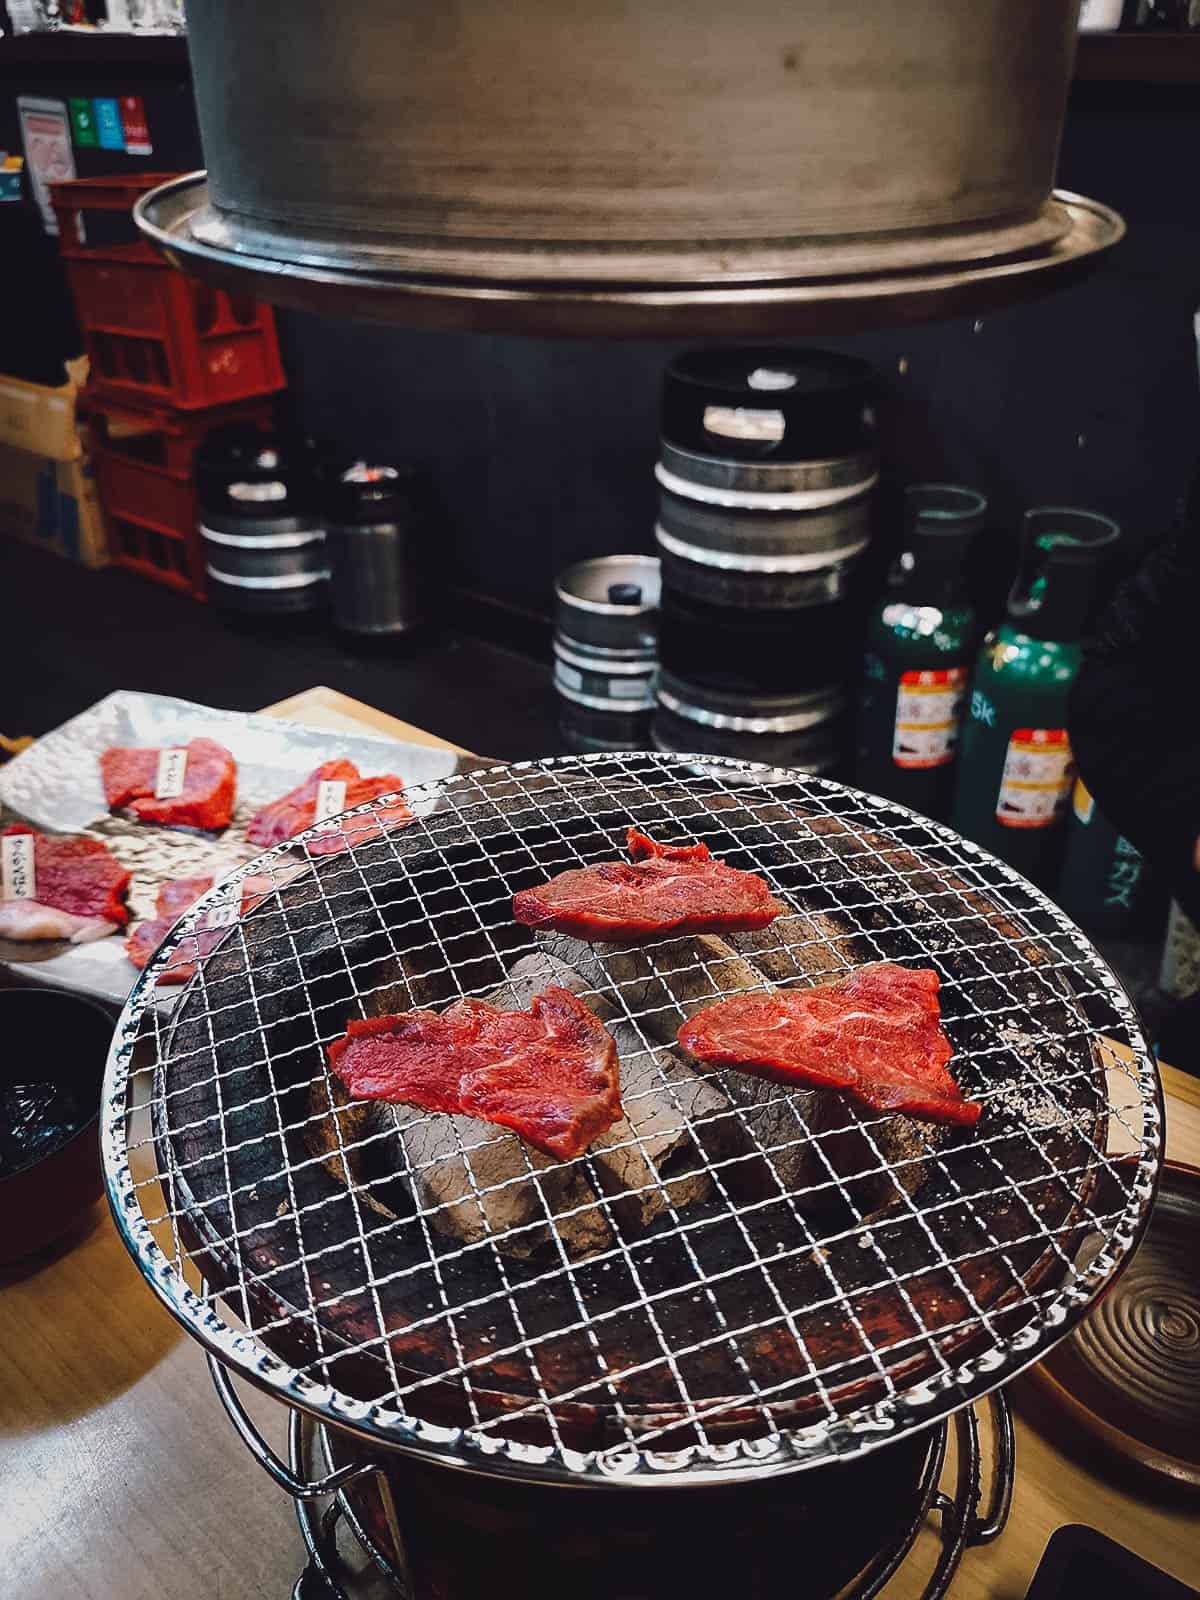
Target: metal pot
775 144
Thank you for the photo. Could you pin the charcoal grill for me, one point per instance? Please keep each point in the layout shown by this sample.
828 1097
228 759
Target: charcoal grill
761 1330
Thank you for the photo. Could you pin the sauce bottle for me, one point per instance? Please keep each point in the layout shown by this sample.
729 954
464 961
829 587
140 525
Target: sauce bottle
1016 771
920 641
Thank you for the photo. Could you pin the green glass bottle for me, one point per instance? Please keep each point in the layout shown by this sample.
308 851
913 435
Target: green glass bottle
1015 771
919 645
1103 879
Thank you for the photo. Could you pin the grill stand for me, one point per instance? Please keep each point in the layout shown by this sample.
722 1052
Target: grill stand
322 1508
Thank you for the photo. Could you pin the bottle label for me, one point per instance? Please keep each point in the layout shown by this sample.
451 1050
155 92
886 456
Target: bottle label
1038 773
928 711
1082 802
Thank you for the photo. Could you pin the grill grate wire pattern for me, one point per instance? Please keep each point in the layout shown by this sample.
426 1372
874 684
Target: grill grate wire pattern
1069 1145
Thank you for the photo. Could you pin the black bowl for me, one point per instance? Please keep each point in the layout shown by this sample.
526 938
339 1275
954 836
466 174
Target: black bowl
53 1047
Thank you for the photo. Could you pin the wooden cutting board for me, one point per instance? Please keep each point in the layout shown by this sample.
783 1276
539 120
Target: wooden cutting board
124 1481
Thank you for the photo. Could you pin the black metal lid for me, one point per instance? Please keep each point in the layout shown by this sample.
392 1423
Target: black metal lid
240 470
364 493
751 403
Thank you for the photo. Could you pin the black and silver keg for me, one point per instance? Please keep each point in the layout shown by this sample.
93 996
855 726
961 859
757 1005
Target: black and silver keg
785 730
766 472
264 543
379 524
606 652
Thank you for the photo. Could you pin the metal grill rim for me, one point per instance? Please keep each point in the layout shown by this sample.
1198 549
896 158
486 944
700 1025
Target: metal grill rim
836 1435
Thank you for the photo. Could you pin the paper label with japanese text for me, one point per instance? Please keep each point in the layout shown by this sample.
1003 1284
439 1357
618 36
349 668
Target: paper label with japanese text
928 714
331 799
172 770
224 914
1036 783
18 880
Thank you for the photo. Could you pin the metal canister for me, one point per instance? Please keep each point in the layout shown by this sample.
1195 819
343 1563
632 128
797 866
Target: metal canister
806 731
765 477
264 543
1015 768
1103 885
606 651
759 558
378 521
919 648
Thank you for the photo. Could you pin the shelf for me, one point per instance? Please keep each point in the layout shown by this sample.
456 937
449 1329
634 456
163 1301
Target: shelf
1143 57
98 51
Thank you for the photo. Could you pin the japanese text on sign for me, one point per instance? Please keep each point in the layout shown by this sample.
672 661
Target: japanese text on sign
172 769
17 879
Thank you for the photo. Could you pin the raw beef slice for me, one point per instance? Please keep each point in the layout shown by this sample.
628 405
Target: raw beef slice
79 891
209 785
664 890
175 897
295 811
875 1035
549 1073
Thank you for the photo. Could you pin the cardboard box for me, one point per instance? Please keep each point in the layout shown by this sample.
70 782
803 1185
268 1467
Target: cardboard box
52 504
42 420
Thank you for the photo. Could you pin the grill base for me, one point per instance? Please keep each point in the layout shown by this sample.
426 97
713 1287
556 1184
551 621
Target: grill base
457 1531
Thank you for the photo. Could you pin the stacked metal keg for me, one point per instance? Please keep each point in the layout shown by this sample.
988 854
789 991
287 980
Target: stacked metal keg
264 541
766 472
606 652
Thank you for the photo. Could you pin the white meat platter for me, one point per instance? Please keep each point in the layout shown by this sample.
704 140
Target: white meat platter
55 786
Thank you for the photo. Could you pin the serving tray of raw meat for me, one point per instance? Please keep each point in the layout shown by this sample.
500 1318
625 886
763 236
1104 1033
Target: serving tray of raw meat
631 1116
121 841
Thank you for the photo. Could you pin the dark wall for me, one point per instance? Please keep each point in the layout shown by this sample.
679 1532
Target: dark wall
544 450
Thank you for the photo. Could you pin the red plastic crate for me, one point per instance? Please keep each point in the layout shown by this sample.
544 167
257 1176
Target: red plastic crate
153 334
143 460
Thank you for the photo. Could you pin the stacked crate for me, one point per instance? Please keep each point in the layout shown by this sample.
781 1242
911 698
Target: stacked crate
171 359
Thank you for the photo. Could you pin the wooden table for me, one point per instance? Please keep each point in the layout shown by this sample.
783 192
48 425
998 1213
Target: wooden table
124 1481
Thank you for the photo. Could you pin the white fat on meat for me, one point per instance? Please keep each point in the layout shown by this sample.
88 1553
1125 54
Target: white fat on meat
29 920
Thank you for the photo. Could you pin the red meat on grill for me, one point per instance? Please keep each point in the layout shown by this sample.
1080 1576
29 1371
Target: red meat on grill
549 1073
295 811
79 891
174 898
129 777
875 1035
665 889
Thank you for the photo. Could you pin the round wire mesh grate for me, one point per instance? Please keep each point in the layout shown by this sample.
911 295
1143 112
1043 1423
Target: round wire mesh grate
739 1279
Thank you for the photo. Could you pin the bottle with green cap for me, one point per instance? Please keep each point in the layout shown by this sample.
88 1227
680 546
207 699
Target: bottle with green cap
920 641
1016 772
1103 883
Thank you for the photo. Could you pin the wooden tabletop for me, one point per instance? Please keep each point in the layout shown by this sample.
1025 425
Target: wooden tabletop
122 1479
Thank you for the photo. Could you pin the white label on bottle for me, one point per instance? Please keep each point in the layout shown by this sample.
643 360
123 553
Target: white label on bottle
745 422
224 914
928 712
1037 778
331 799
18 881
628 689
258 491
568 676
172 769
